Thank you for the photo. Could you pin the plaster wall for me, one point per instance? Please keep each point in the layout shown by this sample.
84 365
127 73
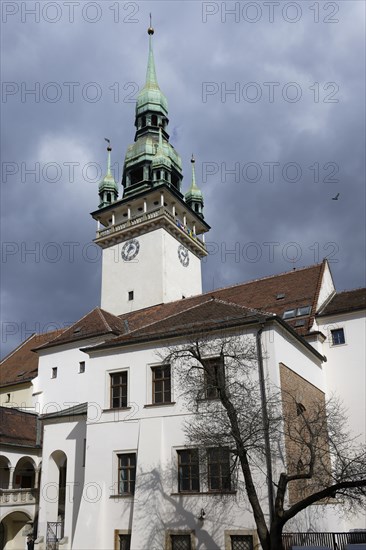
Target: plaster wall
155 275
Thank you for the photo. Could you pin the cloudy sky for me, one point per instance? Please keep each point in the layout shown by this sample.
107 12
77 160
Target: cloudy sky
269 96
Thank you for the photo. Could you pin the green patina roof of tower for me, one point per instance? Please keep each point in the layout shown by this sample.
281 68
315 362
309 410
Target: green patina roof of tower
193 193
145 149
161 158
108 183
151 98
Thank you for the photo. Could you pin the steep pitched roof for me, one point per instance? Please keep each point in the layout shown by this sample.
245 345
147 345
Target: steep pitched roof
97 322
18 427
298 287
21 364
346 301
208 315
274 294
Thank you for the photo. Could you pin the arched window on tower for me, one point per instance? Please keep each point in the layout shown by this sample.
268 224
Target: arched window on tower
109 197
143 122
154 120
136 176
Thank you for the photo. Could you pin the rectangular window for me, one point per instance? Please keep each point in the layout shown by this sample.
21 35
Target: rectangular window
161 384
54 372
338 336
218 469
241 542
180 542
81 367
119 390
126 474
211 374
124 542
130 295
188 471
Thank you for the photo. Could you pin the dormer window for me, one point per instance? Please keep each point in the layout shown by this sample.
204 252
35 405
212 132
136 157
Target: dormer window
298 312
289 314
303 311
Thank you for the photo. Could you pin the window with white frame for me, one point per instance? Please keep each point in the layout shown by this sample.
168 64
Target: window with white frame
219 476
118 389
212 368
188 471
126 473
337 335
161 384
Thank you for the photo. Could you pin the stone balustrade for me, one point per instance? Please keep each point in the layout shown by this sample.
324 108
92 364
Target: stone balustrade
15 497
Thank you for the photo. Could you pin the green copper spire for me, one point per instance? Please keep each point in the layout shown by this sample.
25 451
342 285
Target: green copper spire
108 189
151 160
194 197
151 97
151 71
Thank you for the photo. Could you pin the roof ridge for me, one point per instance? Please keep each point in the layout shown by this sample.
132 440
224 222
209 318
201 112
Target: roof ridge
222 288
170 316
17 348
254 310
104 320
73 324
34 335
350 290
263 278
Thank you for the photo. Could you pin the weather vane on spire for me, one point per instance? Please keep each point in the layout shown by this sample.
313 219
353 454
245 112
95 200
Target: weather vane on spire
109 148
150 30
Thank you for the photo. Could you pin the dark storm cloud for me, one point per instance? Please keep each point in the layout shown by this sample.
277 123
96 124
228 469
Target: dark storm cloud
260 225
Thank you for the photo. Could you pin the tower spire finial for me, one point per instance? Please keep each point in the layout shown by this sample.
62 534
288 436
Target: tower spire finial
193 160
151 79
109 149
150 30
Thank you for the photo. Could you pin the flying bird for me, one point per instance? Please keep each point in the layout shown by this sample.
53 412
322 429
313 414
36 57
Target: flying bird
336 197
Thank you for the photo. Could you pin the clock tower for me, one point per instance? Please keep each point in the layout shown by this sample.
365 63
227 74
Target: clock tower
153 237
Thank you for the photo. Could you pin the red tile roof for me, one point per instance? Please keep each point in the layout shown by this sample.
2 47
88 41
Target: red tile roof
346 301
204 316
21 364
274 294
299 287
18 427
97 322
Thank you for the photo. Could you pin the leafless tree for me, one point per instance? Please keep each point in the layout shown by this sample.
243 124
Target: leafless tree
234 408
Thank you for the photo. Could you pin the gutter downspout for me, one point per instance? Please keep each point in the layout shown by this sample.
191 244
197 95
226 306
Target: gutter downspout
267 445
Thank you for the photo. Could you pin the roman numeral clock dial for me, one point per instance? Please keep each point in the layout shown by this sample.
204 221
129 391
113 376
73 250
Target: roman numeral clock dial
183 255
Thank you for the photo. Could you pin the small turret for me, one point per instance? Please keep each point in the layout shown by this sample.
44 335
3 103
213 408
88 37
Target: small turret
194 197
108 189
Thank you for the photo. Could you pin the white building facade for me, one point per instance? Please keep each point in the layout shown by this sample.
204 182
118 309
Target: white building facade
116 469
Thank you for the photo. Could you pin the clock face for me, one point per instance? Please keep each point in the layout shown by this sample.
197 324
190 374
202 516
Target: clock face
130 250
183 255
